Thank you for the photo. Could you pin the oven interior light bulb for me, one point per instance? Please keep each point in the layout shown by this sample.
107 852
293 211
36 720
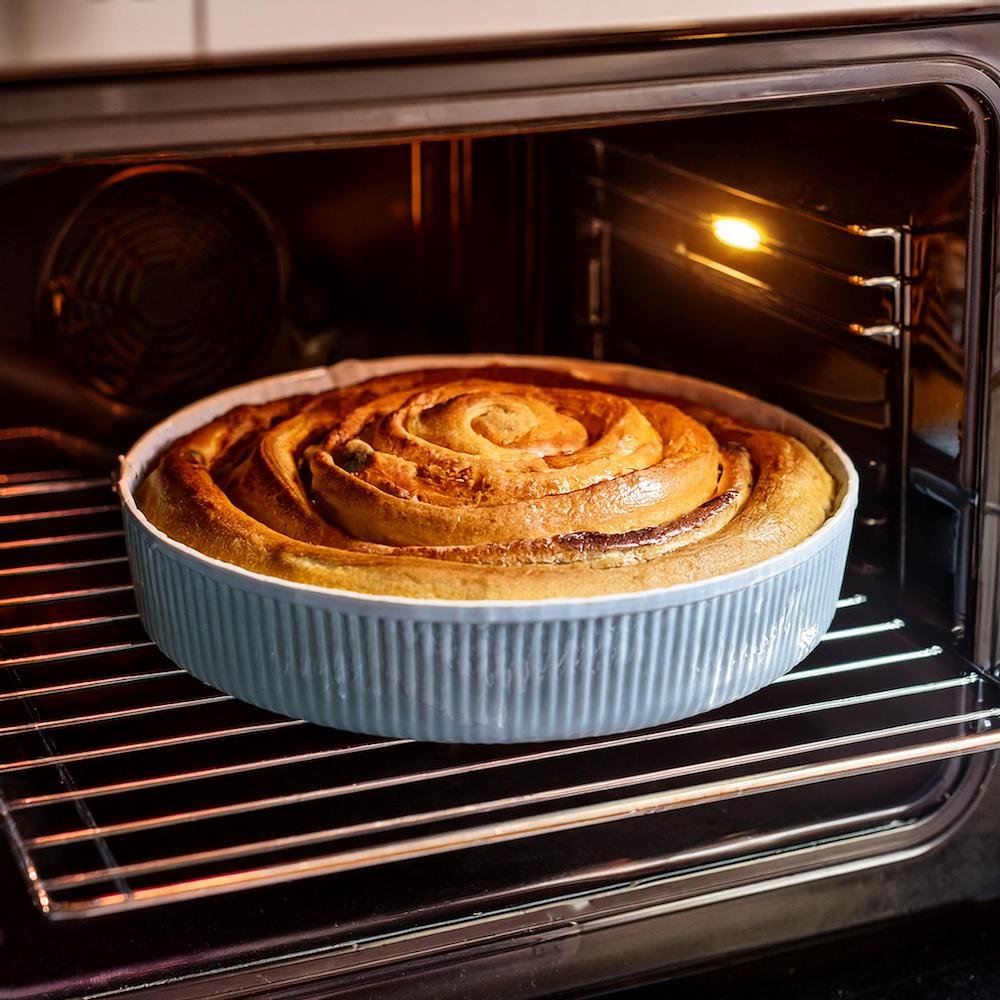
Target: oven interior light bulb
737 233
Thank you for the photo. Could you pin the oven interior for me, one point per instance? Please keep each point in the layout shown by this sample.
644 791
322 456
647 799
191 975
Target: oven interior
829 257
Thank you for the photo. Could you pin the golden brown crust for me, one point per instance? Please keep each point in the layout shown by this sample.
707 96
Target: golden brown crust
486 484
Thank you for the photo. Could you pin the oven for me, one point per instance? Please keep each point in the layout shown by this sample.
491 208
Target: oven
804 211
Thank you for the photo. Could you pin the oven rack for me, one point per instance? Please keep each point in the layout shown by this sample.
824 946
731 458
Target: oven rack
125 782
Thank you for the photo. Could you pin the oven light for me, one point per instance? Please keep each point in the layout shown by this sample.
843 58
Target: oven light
737 233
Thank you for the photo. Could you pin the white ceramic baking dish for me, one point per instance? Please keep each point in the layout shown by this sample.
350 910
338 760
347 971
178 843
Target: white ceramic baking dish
499 671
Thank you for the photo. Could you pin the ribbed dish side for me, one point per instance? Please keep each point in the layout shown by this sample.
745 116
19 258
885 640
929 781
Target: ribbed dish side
484 682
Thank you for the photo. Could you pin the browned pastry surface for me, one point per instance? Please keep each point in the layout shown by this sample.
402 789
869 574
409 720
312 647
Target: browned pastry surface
486 484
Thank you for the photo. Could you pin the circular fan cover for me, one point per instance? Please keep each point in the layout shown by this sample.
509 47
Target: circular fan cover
164 284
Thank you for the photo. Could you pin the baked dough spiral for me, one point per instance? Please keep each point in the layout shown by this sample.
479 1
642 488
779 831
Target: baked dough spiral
486 484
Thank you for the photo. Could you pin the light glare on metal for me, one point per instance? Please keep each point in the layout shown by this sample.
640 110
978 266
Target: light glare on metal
737 233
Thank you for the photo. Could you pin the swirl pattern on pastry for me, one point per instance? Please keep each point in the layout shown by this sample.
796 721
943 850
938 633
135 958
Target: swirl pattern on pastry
486 484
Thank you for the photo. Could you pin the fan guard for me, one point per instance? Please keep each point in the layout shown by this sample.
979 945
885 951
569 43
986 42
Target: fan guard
164 284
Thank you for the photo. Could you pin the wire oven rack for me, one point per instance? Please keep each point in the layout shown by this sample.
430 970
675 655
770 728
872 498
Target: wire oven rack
125 782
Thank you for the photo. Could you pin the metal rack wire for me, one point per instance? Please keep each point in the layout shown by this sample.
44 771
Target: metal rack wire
124 781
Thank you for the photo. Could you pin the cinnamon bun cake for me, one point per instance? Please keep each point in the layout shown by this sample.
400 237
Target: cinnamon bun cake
489 483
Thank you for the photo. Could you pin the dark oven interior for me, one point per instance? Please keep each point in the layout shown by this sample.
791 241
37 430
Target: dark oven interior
828 257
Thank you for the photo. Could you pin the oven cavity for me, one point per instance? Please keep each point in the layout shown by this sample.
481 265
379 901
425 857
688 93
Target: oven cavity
826 257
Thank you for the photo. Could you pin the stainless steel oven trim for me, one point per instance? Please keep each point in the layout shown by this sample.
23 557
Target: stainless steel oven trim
302 109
